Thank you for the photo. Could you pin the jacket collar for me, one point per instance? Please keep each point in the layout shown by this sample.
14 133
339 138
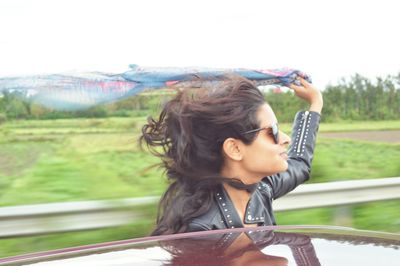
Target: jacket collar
254 213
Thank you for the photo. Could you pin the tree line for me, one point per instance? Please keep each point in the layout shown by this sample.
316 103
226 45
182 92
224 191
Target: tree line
357 98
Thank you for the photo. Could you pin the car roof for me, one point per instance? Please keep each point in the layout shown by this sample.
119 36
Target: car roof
311 245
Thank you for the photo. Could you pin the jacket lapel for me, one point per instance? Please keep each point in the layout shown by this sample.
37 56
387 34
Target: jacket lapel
255 213
227 209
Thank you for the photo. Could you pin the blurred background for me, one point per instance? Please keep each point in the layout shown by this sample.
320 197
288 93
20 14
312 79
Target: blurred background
53 156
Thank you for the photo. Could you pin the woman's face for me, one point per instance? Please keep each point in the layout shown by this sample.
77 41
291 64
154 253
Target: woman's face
263 157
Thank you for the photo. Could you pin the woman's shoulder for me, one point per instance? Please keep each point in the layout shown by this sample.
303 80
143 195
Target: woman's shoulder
208 221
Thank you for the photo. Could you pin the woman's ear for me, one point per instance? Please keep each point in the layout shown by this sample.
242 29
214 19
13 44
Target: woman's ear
232 148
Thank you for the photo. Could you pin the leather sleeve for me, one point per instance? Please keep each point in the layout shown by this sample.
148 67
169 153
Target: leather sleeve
195 227
301 151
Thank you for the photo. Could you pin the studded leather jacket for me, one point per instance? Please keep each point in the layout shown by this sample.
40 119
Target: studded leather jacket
259 211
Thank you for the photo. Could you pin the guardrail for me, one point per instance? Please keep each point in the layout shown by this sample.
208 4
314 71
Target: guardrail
84 215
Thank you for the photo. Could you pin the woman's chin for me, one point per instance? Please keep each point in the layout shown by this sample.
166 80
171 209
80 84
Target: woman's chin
285 166
282 168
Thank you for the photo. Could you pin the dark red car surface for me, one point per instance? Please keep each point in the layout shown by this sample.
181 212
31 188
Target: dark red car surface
272 245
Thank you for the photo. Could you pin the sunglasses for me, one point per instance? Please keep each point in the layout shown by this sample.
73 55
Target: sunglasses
273 127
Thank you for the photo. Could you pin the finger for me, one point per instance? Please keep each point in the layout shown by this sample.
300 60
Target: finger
304 82
295 87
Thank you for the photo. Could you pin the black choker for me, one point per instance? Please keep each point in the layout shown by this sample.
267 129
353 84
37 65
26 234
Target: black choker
242 186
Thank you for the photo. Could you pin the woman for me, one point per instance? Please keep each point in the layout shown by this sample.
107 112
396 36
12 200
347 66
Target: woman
225 157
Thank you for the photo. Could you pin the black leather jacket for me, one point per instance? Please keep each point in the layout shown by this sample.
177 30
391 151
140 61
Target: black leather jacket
223 214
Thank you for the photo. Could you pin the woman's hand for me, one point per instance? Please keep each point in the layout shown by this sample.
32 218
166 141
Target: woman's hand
310 94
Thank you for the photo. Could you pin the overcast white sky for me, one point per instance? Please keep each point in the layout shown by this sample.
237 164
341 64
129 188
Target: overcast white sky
327 39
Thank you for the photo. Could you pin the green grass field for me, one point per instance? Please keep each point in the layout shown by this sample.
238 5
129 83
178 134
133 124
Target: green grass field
89 159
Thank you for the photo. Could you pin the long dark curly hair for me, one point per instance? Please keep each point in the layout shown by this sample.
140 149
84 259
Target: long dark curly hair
188 137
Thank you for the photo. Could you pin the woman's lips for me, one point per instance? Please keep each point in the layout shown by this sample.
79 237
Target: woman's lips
284 155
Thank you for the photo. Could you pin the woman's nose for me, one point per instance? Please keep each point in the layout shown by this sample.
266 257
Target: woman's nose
284 139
